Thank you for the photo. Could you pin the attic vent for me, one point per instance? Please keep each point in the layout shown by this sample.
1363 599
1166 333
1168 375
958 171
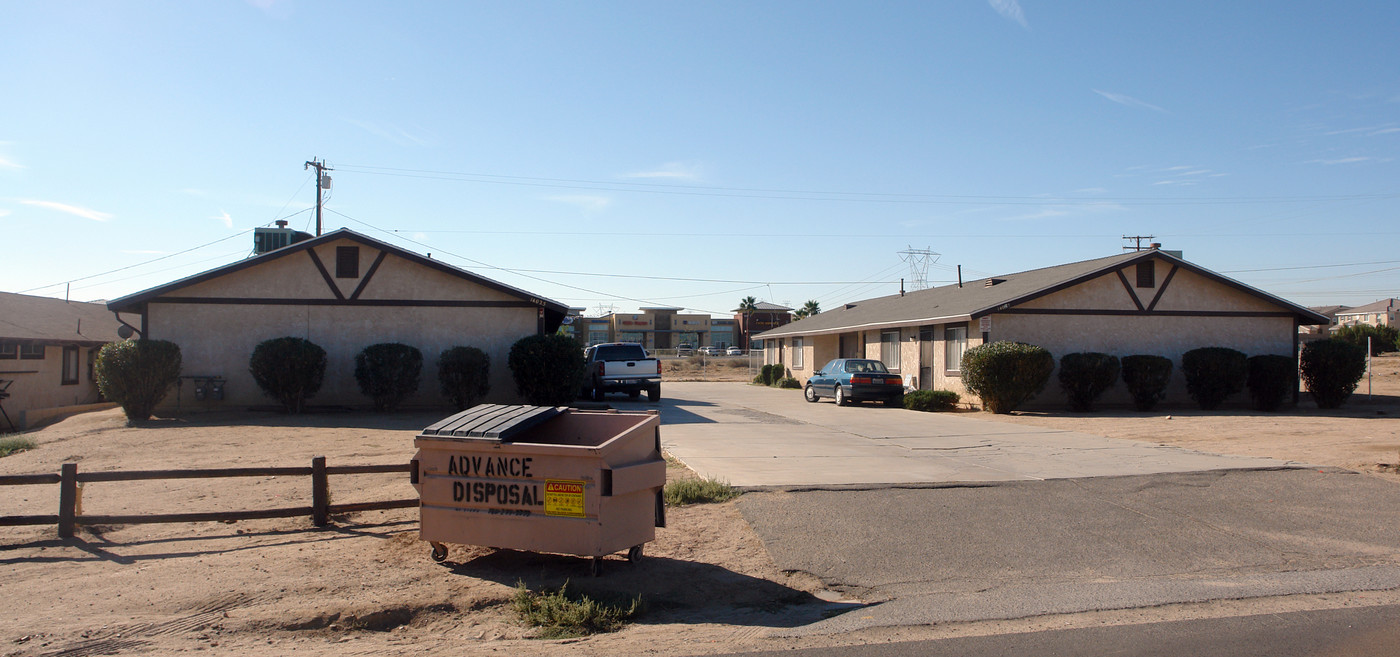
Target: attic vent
850 306
993 281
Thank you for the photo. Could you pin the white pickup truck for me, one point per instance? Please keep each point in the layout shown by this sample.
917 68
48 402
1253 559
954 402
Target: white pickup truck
621 367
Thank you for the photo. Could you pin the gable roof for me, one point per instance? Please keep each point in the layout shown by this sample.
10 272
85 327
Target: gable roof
55 321
974 299
136 302
1384 305
764 306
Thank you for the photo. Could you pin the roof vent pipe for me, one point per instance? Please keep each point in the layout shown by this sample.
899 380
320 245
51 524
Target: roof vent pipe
281 223
959 275
901 287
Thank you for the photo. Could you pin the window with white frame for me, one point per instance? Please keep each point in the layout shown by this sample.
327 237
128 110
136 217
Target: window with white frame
797 356
889 349
954 344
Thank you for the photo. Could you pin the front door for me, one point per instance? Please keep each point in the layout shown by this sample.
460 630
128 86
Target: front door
926 358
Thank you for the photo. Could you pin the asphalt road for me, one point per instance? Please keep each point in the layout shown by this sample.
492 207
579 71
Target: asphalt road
1020 549
1354 632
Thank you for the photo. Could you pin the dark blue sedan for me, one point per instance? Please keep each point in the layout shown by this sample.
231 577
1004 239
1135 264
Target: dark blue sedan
855 379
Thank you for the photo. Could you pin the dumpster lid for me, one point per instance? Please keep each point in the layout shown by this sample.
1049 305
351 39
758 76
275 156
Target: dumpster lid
493 421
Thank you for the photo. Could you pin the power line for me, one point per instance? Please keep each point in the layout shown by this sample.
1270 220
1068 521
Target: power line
139 264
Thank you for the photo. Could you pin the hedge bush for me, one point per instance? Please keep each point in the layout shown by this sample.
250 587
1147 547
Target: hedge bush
931 400
388 372
1213 374
1006 374
137 374
1331 370
289 370
464 374
789 383
1383 338
1272 379
1086 375
770 375
548 369
1146 376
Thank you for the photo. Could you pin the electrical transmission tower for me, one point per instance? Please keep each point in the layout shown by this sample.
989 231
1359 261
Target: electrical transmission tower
919 260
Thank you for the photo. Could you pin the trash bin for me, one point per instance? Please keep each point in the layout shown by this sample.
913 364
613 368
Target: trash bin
542 479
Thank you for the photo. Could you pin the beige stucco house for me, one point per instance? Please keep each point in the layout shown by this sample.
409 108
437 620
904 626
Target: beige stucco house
343 291
1378 313
47 350
1141 302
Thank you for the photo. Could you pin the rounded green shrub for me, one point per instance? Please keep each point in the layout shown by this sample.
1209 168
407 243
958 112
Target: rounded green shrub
388 372
464 374
771 374
289 370
1146 376
1272 378
1006 374
1213 374
1383 338
789 383
1086 375
1331 370
137 374
548 369
931 400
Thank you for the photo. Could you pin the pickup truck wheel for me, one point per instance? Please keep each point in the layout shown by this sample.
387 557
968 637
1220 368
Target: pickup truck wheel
810 394
654 394
596 393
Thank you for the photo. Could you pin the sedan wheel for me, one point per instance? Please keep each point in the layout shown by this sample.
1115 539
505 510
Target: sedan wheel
841 399
810 393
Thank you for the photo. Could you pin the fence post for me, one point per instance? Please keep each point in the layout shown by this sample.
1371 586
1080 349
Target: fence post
320 492
67 500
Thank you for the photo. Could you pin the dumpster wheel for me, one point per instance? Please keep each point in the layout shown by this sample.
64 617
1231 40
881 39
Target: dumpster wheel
634 554
439 553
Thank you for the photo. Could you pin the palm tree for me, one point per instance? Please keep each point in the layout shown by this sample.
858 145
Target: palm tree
747 306
809 309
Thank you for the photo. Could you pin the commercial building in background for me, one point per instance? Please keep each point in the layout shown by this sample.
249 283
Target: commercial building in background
1380 313
766 317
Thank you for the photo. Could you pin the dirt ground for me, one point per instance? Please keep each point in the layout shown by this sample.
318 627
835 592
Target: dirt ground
365 584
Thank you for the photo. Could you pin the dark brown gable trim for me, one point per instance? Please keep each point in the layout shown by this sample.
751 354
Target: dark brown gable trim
402 303
330 282
1165 282
368 275
1145 313
1136 302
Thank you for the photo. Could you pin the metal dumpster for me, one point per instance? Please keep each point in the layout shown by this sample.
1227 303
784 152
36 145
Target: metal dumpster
542 479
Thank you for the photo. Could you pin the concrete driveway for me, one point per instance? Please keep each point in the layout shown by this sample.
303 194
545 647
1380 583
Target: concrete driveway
756 437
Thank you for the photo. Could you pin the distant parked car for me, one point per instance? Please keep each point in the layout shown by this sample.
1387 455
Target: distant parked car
709 351
685 349
734 351
855 379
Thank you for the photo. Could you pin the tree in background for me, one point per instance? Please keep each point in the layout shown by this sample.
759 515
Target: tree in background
748 306
808 309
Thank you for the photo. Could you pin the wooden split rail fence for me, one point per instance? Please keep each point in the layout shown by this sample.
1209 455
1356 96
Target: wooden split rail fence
70 483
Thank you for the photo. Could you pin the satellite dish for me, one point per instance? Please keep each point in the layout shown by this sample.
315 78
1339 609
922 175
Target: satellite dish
125 331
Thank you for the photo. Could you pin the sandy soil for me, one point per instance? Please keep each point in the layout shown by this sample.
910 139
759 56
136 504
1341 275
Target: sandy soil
365 585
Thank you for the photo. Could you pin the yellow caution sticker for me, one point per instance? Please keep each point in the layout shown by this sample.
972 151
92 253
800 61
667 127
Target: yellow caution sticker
563 497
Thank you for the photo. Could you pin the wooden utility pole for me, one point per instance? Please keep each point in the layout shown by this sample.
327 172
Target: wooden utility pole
1137 241
322 182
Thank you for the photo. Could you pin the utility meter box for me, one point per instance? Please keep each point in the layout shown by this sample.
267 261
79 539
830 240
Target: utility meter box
542 479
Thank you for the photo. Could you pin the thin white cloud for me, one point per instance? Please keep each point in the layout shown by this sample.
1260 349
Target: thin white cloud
585 202
671 170
1010 10
86 213
4 212
225 218
1384 131
6 163
1348 160
1179 183
390 132
1128 101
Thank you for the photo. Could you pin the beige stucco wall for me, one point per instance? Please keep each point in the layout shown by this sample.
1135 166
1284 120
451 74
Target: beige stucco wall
218 339
38 385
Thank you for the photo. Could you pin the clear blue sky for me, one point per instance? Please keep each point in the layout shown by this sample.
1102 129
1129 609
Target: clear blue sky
785 150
